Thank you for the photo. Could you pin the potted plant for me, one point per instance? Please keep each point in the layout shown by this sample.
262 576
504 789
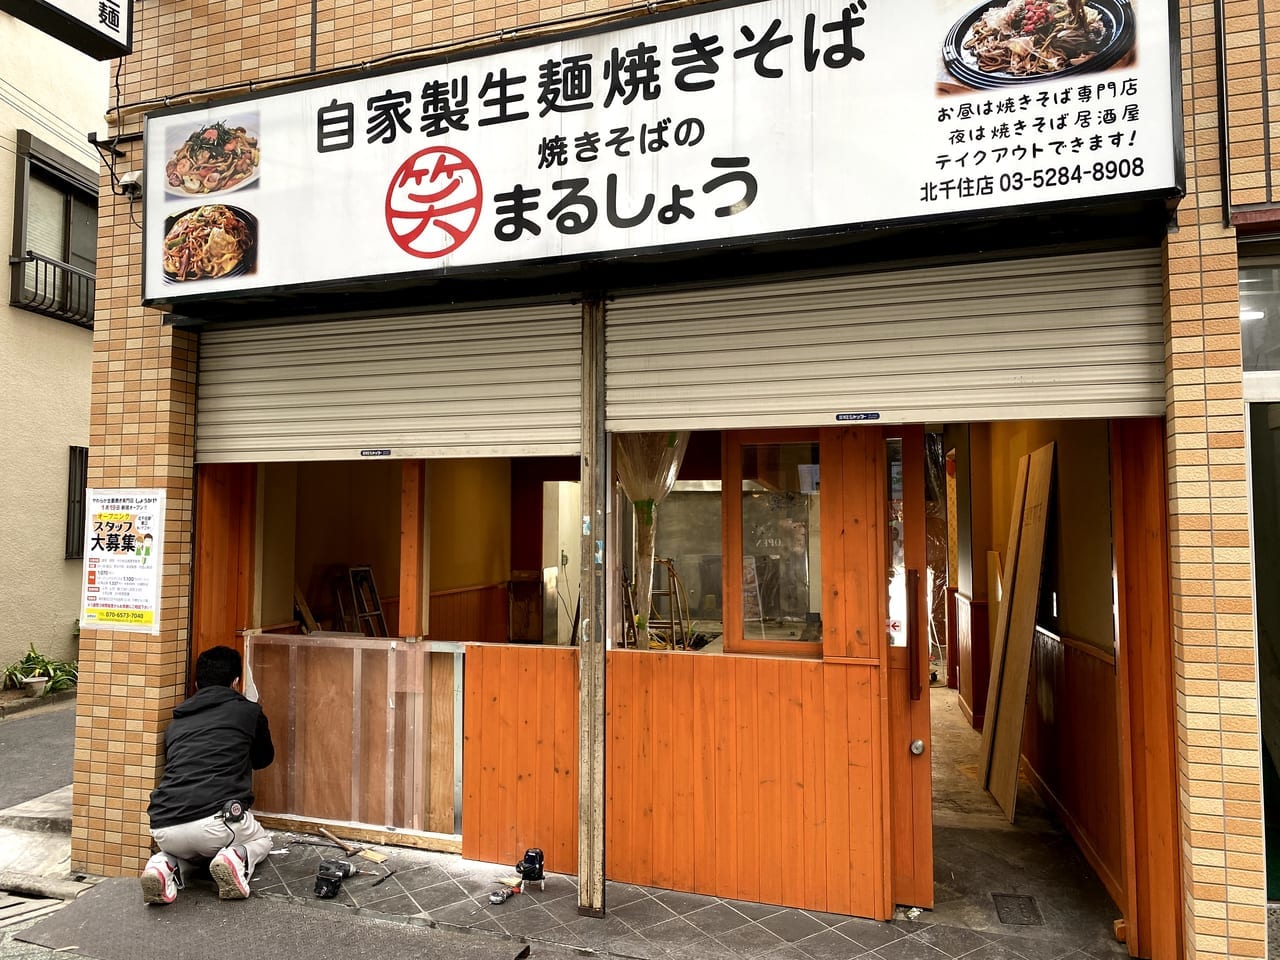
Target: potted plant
38 674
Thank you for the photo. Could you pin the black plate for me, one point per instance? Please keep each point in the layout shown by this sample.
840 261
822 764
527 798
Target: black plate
1116 14
247 262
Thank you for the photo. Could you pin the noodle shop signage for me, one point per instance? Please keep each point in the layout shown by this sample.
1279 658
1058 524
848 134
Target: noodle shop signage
100 28
727 124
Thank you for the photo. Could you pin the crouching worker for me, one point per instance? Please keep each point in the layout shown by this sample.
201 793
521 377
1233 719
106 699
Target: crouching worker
200 809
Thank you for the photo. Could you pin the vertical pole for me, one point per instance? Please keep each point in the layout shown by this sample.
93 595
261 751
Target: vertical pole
591 652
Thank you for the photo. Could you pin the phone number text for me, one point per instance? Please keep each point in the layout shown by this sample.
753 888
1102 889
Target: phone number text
1103 171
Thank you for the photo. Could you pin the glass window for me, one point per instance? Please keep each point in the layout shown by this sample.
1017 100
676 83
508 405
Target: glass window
781 542
1260 317
56 237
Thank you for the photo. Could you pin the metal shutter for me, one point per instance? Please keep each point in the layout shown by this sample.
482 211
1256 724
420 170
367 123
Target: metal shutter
481 383
1054 337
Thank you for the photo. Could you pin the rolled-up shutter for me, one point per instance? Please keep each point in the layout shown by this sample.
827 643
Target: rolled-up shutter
1053 337
480 383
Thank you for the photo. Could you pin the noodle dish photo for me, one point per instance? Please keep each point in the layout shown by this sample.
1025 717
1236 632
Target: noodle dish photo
215 158
209 241
1009 42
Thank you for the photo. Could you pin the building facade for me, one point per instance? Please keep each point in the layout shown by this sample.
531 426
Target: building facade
314 416
51 98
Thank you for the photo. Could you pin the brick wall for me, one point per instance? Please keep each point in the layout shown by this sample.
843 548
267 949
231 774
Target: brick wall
1217 701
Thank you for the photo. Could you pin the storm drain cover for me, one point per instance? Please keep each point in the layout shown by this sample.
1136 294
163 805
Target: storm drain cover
1016 908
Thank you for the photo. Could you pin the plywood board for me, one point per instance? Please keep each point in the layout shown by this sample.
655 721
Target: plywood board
1001 635
1022 603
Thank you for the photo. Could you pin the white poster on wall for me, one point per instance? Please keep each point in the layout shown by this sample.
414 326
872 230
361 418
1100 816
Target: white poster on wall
123 560
720 125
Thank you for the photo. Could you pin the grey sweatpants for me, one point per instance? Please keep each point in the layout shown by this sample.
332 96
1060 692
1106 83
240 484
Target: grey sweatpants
200 840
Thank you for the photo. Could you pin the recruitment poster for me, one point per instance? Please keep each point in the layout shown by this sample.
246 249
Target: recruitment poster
123 556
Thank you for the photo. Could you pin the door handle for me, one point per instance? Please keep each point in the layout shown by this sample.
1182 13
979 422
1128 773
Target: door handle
913 634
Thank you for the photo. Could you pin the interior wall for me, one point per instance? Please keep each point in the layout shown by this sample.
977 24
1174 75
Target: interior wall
277 532
1083 553
566 555
348 515
470 522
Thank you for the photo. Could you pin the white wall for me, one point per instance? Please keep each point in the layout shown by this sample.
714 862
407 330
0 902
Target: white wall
58 95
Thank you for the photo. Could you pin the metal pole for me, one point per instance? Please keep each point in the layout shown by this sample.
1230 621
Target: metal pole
591 652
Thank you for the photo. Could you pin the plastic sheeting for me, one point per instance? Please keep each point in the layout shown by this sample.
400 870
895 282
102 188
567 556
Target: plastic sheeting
647 467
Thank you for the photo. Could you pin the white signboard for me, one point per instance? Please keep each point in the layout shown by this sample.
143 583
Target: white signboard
754 120
123 559
100 28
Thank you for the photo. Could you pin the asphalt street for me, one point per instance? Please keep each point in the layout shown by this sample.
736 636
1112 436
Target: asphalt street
38 745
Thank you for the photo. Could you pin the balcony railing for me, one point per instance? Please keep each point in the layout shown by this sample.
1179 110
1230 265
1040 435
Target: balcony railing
53 288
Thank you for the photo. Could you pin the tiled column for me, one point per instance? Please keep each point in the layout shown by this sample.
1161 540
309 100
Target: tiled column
1219 780
141 435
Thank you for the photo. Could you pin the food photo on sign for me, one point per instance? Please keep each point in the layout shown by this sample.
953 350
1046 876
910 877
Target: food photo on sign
1003 44
208 160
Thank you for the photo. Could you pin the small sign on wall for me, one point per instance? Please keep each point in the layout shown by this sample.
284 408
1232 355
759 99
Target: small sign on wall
123 558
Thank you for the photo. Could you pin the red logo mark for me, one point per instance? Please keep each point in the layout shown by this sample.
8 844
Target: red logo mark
433 202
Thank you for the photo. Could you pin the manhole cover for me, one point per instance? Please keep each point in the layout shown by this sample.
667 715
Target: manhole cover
1015 908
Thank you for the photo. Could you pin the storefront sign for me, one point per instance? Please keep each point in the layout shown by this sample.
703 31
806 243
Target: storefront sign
101 28
685 130
123 557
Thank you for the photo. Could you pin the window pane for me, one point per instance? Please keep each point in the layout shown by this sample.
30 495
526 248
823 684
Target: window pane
896 628
1260 317
781 543
84 234
46 217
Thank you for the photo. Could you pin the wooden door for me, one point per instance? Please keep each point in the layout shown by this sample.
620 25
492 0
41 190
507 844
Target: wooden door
906 651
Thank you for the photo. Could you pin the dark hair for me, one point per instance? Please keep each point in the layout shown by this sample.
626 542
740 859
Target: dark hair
217 667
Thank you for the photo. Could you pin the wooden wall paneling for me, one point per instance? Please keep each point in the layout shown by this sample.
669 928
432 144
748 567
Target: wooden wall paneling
325 739
642 768
703 724
746 783
222 601
440 812
1146 688
794 788
474 755
469 614
836 578
662 781
726 732
371 755
999 639
816 822
562 848
685 771
838 787
768 763
509 707
974 644
271 673
866 770
505 772
953 648
620 694
414 549
530 729
1023 602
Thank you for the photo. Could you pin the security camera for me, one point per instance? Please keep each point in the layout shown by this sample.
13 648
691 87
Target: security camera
131 184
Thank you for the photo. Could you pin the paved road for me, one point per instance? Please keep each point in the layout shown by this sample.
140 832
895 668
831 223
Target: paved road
37 745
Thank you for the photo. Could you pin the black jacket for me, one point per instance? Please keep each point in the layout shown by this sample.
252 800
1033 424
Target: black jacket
215 741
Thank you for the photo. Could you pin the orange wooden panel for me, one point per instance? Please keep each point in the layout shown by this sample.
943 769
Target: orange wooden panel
1146 706
684 736
836 780
223 570
470 615
506 774
866 773
746 780
726 777
702 775
815 822
413 551
794 791
662 774
768 764
836 582
642 767
620 738
271 674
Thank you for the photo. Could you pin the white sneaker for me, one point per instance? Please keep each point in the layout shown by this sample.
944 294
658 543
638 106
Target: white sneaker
229 870
159 881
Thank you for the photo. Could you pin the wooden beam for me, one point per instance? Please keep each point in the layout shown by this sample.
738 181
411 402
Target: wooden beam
413 548
593 629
